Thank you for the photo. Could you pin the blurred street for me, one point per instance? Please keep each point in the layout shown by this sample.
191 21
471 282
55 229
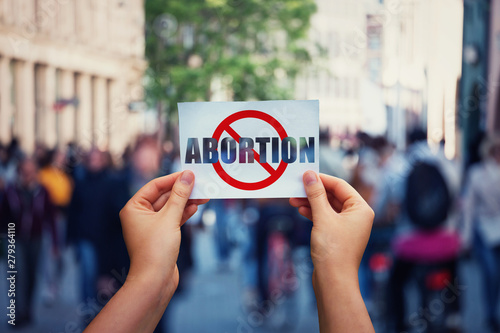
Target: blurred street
212 302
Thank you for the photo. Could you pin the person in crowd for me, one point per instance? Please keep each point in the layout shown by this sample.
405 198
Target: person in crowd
91 214
377 164
53 177
152 221
426 229
7 167
365 175
144 165
276 218
249 219
75 157
168 157
365 178
482 223
28 206
221 232
330 159
14 151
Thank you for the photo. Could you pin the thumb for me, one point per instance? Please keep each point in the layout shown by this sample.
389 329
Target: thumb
316 193
179 196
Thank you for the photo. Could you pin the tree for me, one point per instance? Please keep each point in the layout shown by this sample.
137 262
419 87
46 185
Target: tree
251 49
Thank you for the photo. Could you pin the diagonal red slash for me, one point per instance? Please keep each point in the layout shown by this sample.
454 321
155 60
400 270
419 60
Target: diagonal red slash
237 137
274 174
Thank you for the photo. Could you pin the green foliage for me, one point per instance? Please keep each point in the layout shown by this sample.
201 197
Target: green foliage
254 47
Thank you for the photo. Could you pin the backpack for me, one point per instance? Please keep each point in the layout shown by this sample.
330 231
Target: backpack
427 198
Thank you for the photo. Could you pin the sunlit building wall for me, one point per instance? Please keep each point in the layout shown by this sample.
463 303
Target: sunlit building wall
69 71
335 77
421 68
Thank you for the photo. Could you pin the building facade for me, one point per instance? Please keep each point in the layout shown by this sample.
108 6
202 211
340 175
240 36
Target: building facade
494 70
479 98
422 48
338 65
69 70
474 81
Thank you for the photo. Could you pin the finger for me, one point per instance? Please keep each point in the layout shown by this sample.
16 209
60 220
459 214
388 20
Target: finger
316 193
198 201
162 200
297 202
341 190
306 212
152 191
189 211
334 202
180 195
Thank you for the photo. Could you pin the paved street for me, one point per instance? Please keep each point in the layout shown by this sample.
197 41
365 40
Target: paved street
212 301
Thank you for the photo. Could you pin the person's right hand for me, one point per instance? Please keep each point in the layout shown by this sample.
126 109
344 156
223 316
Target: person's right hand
342 222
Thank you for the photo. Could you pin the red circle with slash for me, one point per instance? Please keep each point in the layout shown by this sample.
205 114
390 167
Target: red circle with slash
275 174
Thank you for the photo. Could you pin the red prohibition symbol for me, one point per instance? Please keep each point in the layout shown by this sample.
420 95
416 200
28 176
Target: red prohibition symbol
274 174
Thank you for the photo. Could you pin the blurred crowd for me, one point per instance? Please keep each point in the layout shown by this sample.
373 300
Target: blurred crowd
73 196
431 212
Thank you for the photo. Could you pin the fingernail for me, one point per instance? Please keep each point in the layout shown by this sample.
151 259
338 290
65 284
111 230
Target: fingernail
187 177
310 178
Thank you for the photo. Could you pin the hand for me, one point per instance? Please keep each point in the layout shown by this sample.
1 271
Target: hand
151 223
342 222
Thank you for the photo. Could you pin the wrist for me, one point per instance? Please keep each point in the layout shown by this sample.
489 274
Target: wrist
335 277
155 284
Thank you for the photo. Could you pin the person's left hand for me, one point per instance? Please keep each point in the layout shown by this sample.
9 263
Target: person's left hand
151 223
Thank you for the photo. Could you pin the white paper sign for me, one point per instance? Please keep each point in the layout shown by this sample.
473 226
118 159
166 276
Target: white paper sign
249 149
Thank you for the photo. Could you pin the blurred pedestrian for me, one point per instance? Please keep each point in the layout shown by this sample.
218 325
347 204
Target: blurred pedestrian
377 176
330 159
7 168
366 173
53 177
75 160
482 220
144 164
222 209
169 155
27 204
89 216
14 151
426 236
248 242
276 229
142 167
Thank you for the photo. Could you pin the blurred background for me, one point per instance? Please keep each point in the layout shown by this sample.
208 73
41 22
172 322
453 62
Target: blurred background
409 96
